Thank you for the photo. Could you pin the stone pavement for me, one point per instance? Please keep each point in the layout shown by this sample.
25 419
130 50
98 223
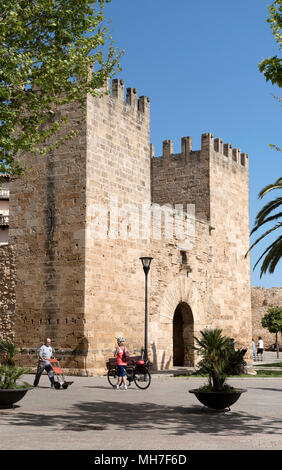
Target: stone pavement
269 357
91 415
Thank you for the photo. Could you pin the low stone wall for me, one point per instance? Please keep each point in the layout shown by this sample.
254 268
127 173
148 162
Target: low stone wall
7 292
262 299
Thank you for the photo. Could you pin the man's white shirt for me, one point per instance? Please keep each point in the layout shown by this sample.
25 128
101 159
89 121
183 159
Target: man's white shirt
46 352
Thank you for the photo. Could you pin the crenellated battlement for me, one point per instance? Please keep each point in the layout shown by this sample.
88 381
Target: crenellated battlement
141 104
208 144
217 145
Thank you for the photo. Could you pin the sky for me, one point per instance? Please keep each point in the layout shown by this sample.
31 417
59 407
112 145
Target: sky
198 63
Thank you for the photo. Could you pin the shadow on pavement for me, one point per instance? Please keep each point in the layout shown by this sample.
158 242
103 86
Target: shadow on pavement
106 415
101 387
265 388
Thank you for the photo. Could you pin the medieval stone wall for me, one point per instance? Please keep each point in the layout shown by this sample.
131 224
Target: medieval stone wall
215 180
82 216
47 220
178 281
118 186
262 299
182 178
181 274
7 292
230 276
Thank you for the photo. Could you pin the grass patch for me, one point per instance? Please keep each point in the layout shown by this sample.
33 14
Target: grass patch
275 364
268 373
260 373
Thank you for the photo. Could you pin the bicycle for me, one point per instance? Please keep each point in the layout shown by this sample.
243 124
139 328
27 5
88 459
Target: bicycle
137 371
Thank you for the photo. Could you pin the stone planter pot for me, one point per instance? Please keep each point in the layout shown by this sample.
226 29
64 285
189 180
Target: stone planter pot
218 400
9 397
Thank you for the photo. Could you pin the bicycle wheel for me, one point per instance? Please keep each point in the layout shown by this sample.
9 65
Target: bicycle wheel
112 376
142 378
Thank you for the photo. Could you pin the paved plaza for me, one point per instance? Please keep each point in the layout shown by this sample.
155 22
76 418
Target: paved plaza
90 415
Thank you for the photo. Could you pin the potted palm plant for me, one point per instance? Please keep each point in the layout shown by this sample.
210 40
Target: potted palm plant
218 359
11 391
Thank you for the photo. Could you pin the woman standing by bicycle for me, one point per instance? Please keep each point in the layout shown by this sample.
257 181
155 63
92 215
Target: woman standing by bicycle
121 363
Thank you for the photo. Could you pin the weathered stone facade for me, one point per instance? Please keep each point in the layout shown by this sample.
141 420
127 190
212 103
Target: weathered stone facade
75 225
215 180
7 292
262 300
4 210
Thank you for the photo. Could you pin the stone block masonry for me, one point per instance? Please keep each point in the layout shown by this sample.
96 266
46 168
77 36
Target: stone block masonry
7 292
118 172
47 216
76 225
215 180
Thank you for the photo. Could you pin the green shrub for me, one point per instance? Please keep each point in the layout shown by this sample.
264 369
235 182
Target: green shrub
9 372
219 359
9 376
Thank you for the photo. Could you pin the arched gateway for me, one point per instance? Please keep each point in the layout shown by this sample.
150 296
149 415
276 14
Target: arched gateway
183 335
180 316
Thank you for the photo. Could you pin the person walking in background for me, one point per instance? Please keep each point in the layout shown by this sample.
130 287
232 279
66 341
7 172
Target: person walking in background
254 350
232 342
121 363
260 348
44 354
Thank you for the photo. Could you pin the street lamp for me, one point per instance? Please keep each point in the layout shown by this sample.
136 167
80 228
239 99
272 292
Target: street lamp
146 261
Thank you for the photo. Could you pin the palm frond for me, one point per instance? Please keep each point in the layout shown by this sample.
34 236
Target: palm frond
9 350
272 258
267 250
262 236
273 252
9 376
265 211
270 187
268 219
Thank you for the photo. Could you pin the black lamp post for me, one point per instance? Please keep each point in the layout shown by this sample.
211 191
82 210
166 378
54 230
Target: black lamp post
146 261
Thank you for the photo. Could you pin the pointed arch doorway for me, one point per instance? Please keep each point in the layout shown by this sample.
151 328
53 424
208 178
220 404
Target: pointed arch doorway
183 335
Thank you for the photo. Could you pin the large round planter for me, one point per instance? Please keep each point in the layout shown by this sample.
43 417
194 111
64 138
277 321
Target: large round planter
218 400
9 397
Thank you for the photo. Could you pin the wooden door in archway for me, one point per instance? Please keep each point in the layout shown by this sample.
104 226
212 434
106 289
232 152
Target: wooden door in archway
183 336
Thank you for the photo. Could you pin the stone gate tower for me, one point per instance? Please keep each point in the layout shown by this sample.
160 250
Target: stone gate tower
212 287
81 218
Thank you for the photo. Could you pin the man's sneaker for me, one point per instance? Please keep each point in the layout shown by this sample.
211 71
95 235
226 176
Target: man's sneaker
116 387
125 387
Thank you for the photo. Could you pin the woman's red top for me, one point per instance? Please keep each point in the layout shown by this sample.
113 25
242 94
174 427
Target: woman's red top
119 354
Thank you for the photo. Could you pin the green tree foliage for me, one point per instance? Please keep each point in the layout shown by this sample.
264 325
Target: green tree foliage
272 66
47 50
272 321
272 70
